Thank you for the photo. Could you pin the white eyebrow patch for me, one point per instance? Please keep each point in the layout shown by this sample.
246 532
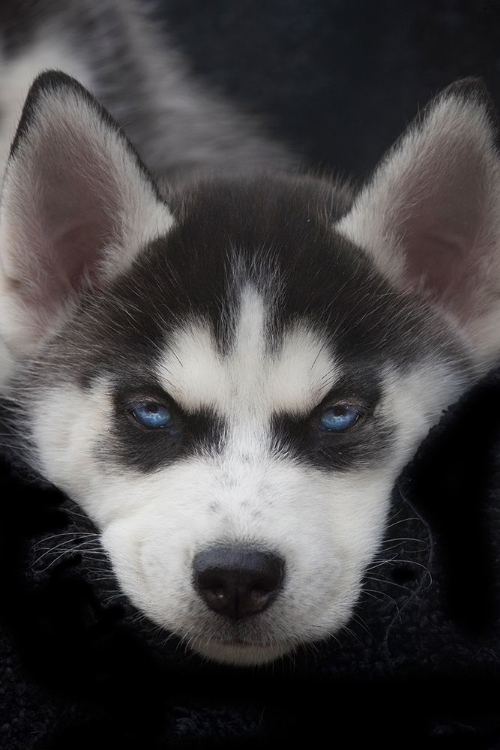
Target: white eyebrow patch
250 378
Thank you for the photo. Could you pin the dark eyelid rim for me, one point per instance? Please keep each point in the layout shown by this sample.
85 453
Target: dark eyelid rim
151 392
365 409
344 393
127 399
361 413
128 395
131 413
344 396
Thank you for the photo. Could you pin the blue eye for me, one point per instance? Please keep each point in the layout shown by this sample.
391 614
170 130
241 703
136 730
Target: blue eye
153 415
340 418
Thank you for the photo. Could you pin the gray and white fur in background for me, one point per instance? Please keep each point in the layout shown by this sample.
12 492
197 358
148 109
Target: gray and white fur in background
119 53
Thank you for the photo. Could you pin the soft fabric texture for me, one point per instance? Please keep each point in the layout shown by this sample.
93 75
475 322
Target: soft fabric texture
419 665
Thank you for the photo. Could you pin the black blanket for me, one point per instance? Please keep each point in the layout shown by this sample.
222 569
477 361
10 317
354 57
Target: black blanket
419 665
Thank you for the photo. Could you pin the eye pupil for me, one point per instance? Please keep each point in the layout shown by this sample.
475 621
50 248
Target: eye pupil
152 414
340 418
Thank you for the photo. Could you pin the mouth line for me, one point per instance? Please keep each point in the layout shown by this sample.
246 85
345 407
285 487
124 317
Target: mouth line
240 652
240 643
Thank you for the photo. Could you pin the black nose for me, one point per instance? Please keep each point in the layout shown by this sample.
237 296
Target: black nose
237 581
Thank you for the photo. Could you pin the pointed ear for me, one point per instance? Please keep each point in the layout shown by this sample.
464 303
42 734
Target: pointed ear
77 206
430 215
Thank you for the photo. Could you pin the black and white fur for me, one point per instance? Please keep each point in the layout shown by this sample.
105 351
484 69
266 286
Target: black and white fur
247 302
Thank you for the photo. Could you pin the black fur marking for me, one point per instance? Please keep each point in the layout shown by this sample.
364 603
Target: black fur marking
365 445
147 450
368 442
275 233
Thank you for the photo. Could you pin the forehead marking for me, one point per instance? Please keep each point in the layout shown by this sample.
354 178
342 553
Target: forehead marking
250 380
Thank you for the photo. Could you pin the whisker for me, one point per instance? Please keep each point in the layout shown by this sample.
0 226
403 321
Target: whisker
386 581
50 549
406 539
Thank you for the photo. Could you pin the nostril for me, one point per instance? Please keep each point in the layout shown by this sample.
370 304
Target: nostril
238 581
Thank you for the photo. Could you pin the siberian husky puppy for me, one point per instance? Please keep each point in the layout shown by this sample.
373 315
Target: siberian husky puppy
228 373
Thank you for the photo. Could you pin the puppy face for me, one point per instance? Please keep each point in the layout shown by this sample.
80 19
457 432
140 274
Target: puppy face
233 400
254 367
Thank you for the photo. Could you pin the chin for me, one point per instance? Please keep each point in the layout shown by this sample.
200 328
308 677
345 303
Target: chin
240 653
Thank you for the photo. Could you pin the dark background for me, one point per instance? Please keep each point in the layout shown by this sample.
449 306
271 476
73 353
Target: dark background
338 81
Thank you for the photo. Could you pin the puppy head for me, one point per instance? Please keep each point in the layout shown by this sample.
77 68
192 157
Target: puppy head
229 381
